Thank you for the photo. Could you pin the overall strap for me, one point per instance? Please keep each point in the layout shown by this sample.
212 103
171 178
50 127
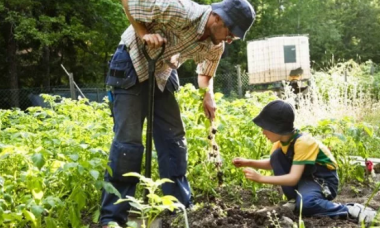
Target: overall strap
290 153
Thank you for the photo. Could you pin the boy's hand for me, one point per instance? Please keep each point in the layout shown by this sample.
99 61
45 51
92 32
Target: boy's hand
252 174
239 162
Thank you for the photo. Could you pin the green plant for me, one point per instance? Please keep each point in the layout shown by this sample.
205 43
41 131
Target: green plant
274 221
301 223
50 163
274 196
375 191
52 159
156 204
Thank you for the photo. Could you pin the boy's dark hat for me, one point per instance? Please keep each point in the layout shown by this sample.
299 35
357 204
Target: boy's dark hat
277 117
238 15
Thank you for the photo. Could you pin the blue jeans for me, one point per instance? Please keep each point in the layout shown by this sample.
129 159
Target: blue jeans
129 112
314 202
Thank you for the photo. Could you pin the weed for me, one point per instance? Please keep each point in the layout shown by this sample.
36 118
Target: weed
301 223
156 204
274 220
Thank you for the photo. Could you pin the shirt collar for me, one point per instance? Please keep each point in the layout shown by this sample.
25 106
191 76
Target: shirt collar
201 29
204 19
291 139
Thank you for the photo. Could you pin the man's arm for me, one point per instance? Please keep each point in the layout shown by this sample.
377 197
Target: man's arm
206 70
152 40
290 179
209 106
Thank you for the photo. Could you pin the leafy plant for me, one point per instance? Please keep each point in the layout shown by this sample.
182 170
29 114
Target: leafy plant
273 218
156 204
301 223
52 159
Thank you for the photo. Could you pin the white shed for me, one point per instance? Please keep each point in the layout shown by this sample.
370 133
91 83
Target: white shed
278 58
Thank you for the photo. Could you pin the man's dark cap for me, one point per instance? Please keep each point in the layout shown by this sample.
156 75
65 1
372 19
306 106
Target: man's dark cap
238 15
277 117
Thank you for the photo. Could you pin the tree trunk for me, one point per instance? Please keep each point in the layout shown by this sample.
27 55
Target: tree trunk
105 69
46 68
12 65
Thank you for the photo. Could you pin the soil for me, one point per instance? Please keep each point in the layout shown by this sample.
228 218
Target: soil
218 213
240 209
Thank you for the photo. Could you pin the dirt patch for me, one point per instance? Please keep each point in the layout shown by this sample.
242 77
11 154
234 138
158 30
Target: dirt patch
239 208
264 211
213 216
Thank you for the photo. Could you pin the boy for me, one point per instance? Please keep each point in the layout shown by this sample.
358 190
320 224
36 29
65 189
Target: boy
301 163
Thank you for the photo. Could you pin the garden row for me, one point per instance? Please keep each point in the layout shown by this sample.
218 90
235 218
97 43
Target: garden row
52 159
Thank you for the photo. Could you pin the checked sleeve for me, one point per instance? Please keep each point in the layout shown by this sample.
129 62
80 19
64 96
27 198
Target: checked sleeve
209 66
173 13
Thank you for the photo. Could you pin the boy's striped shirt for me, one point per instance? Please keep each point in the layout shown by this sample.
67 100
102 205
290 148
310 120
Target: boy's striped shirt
308 151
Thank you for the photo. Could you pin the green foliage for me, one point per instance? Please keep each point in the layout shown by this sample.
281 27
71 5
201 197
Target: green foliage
338 30
52 159
83 34
301 223
245 139
344 138
156 204
78 34
273 218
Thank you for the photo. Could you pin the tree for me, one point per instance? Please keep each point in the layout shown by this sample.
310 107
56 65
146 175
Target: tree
38 36
41 35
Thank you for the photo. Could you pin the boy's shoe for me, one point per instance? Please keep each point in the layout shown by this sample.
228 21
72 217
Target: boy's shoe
362 213
291 205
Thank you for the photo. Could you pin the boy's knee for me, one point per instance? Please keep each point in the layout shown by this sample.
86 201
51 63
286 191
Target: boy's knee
309 203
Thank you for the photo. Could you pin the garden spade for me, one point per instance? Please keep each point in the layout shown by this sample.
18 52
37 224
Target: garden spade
149 131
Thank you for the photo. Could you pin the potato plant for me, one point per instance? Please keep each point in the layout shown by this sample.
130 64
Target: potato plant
52 159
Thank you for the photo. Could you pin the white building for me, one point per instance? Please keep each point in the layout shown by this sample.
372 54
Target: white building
277 59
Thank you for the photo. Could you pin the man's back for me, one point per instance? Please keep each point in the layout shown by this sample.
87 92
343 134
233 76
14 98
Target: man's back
181 23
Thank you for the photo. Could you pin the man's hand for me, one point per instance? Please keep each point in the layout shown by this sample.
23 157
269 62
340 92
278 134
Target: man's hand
153 40
209 105
252 175
239 162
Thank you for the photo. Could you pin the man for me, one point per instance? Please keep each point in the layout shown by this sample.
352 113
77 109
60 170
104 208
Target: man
189 31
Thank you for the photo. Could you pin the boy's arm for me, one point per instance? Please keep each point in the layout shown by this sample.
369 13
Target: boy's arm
290 179
257 164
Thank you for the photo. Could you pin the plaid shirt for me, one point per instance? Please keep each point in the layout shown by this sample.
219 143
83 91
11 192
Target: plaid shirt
182 23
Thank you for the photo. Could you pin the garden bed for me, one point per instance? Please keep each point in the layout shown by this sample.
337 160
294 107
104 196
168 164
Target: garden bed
220 212
241 209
